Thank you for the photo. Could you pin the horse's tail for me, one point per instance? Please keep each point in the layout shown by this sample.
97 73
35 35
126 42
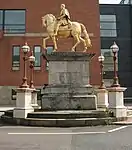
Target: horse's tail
86 36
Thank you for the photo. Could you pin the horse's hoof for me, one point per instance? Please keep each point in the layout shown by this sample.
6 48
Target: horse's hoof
84 51
54 50
73 50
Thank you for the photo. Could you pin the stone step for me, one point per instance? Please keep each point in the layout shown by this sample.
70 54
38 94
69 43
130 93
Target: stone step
59 122
9 113
69 114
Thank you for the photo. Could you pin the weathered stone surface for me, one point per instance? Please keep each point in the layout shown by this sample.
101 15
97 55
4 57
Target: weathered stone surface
69 56
68 78
62 89
67 102
69 67
69 87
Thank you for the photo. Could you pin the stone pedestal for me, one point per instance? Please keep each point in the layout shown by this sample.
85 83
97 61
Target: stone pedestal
116 101
34 103
69 87
102 98
23 103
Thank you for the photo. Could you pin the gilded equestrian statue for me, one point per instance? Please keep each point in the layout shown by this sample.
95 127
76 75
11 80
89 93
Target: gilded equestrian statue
62 27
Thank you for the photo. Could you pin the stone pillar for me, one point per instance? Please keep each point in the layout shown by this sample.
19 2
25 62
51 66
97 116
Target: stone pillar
116 102
23 103
102 98
69 87
34 99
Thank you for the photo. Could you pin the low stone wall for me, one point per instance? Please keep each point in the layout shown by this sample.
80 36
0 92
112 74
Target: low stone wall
6 96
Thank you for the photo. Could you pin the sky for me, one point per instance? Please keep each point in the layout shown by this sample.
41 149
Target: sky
109 1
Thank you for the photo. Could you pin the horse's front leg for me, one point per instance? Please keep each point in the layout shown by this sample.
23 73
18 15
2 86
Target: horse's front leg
55 43
44 42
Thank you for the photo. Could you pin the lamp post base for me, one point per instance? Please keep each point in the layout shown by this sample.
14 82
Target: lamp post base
32 86
115 83
102 86
102 98
116 101
24 84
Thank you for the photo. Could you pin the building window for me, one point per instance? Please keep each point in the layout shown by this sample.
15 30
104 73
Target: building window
108 26
16 58
126 2
12 21
1 20
108 63
49 51
37 55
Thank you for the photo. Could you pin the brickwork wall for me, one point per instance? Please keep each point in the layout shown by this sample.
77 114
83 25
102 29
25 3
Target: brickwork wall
86 12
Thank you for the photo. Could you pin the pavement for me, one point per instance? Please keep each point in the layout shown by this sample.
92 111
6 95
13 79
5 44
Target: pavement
87 138
126 122
112 137
5 108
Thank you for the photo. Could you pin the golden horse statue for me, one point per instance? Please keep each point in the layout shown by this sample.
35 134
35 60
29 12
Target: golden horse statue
49 21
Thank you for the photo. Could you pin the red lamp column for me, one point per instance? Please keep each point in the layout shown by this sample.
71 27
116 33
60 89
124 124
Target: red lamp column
25 50
115 50
31 60
101 60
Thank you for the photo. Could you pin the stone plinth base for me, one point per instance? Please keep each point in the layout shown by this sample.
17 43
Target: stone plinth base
116 101
22 112
23 103
119 112
34 99
69 98
102 98
69 87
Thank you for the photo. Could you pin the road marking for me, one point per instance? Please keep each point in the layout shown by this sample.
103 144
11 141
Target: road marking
116 129
16 127
57 133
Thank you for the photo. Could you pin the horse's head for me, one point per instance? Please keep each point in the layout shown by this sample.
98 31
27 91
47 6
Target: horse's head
48 19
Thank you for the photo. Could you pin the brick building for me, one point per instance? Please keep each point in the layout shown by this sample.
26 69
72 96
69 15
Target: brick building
20 21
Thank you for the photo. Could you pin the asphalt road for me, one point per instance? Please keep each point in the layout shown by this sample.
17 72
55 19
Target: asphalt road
87 138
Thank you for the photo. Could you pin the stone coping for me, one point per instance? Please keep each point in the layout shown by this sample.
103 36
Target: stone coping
68 56
68 85
116 89
69 112
35 91
25 90
20 90
101 90
83 96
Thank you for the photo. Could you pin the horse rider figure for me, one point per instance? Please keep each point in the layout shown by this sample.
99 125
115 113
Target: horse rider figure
63 19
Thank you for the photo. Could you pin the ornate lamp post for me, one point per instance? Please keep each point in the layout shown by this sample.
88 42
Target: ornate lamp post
101 60
25 50
115 50
32 60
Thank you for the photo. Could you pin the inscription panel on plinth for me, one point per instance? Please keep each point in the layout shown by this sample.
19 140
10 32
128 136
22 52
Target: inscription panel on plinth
69 68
